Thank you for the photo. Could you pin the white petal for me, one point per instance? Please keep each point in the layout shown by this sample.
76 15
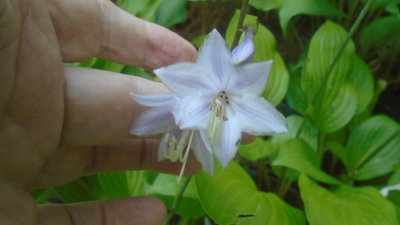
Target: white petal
257 116
192 112
225 149
154 121
216 60
244 50
202 151
153 100
185 78
251 78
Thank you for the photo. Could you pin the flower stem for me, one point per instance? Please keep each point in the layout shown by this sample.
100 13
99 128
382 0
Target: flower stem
243 12
332 65
176 201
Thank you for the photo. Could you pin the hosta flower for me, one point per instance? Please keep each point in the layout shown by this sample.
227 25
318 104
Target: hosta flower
215 99
175 143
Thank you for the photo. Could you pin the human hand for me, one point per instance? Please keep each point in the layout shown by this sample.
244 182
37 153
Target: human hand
59 123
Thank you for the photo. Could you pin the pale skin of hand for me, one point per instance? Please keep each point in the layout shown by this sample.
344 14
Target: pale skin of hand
59 123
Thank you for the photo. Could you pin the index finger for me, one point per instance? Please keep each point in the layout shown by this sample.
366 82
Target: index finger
109 32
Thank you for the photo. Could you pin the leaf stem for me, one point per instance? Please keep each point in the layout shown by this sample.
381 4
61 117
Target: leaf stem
332 65
176 201
243 12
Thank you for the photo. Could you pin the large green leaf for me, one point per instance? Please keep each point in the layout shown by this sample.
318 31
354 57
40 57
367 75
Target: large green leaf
291 8
265 45
42 195
121 184
107 65
298 155
324 46
372 149
363 82
171 12
381 3
345 205
278 81
257 149
380 31
336 103
231 197
83 189
334 108
136 71
266 4
308 132
395 178
103 186
133 7
296 97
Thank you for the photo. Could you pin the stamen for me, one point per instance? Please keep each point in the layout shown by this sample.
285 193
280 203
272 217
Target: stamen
218 116
174 151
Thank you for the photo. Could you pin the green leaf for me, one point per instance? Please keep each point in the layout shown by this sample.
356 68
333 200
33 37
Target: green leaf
308 133
291 8
257 149
103 186
298 155
265 45
324 47
363 82
83 189
393 8
198 41
380 32
136 71
278 81
395 178
336 103
133 7
266 5
337 149
334 109
171 12
381 3
103 64
121 184
149 12
231 193
42 195
345 205
373 148
296 96
166 188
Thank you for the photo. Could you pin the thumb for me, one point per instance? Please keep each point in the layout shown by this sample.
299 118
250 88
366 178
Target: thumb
127 211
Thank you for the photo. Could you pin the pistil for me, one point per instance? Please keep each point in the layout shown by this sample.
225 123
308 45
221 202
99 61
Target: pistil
175 146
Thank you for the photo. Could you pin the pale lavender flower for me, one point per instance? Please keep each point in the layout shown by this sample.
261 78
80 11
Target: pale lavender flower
159 120
215 100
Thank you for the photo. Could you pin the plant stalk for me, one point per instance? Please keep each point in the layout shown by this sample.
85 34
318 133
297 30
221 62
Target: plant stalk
243 12
176 201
